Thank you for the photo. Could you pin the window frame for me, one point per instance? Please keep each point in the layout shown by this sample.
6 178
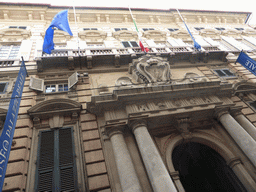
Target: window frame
225 74
78 160
130 43
57 87
5 87
11 52
56 169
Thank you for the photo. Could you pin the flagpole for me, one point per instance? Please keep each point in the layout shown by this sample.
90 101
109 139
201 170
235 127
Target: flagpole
196 45
140 41
76 27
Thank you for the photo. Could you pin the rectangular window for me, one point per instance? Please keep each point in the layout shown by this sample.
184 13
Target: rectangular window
239 29
120 29
18 27
56 169
147 29
220 28
199 28
56 88
85 29
173 29
3 87
130 44
224 73
9 52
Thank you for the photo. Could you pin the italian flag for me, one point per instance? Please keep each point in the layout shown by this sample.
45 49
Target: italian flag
144 49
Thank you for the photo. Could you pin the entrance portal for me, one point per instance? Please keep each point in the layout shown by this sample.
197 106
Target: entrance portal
202 169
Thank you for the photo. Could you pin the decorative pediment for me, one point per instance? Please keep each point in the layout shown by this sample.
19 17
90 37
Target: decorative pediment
156 35
93 35
212 33
48 108
125 35
60 36
14 35
180 34
231 32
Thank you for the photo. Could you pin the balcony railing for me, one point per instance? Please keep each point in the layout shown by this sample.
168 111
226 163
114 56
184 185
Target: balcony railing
174 54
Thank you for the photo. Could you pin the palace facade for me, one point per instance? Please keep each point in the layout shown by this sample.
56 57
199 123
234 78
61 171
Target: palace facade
98 114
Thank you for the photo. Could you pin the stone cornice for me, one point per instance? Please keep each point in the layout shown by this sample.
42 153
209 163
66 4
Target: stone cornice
44 12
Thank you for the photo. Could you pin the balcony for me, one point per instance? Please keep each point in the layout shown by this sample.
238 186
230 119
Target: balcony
94 57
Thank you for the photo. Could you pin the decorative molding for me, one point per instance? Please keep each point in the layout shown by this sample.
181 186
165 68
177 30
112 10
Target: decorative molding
14 35
48 108
150 69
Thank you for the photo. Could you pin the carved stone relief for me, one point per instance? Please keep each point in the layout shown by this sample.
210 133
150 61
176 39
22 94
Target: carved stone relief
156 70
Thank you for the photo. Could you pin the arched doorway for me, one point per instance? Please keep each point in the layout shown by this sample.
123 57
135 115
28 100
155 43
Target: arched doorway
202 169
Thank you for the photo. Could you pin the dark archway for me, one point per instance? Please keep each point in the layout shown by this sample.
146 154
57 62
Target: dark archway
202 169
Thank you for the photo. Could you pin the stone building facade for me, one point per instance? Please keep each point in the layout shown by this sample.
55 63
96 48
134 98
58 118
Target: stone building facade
100 115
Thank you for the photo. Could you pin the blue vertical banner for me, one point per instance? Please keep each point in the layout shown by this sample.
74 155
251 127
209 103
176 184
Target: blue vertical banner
10 122
247 62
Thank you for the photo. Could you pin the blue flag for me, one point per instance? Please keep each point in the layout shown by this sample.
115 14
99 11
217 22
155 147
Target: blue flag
247 62
60 21
196 45
10 122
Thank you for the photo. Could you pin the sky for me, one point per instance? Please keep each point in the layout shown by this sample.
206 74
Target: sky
216 5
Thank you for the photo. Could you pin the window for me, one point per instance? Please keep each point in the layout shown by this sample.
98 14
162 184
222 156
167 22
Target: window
173 29
56 168
147 29
17 27
199 28
3 87
9 52
39 84
239 29
224 72
85 29
130 44
120 29
220 28
56 88
95 45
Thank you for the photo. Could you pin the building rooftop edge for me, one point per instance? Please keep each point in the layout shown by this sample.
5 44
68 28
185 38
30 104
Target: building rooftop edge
119 8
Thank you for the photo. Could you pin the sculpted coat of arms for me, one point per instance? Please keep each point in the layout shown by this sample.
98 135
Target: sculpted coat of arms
156 70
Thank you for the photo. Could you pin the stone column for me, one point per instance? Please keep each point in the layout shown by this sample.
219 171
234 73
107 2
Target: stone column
157 172
242 174
241 137
246 124
127 174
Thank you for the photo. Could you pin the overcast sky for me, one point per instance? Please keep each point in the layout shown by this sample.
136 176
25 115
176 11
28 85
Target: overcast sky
219 5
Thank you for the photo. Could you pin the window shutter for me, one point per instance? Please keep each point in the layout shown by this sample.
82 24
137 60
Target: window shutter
25 49
66 160
45 161
72 80
36 84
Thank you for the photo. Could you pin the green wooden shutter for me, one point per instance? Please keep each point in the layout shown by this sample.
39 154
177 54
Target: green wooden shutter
66 163
45 161
56 164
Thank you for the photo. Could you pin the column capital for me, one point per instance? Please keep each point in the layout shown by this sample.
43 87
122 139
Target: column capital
220 111
114 129
236 111
137 123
